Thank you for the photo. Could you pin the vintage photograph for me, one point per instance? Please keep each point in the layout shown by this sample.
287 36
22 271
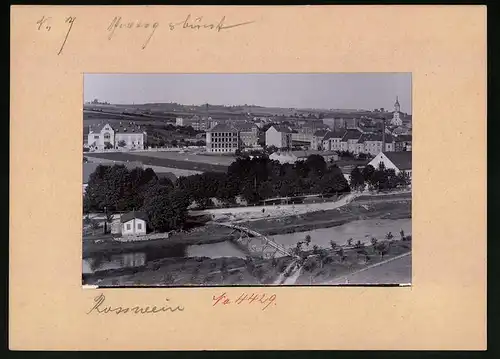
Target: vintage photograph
268 179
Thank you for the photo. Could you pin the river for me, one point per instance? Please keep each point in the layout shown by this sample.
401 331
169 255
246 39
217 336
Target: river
362 230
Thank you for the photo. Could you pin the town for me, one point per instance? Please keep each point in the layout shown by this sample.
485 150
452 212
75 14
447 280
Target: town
215 195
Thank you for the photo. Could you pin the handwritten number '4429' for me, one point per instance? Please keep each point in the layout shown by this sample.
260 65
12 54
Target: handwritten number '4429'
45 24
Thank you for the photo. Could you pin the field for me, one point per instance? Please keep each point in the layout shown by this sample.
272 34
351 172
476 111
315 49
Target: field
190 157
147 159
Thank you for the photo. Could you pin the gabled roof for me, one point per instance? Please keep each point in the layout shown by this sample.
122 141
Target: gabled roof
134 214
321 133
351 134
334 134
128 128
223 127
282 128
97 127
402 160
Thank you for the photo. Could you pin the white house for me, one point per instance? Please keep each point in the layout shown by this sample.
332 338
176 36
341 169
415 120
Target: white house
133 223
399 161
126 135
279 136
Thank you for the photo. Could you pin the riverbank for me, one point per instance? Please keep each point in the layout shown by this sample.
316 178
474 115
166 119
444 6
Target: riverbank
201 235
317 267
362 208
359 209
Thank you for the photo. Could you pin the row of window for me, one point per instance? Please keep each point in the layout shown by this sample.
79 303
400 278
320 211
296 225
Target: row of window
224 145
224 134
235 139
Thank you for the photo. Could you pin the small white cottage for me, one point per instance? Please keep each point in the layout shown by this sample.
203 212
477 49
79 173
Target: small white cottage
133 223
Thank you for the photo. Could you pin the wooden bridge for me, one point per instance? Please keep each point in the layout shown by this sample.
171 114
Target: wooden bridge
256 243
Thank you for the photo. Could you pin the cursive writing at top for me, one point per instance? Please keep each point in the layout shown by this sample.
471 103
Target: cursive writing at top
100 308
188 23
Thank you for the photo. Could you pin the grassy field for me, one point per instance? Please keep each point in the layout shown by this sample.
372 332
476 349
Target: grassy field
147 159
190 157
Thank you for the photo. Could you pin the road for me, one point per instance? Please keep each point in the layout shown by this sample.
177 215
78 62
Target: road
393 271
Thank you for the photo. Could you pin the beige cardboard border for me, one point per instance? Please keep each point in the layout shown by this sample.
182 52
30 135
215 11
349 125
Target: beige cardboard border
445 49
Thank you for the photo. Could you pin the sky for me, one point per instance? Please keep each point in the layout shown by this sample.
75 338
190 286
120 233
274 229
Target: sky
326 90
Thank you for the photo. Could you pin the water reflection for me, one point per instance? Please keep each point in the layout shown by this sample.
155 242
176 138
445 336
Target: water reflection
362 230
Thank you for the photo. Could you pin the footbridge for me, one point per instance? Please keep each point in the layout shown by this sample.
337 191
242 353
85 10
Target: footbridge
257 243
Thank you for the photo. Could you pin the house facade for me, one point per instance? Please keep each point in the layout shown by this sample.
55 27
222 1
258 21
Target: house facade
133 223
279 136
248 134
222 138
126 136
317 139
399 161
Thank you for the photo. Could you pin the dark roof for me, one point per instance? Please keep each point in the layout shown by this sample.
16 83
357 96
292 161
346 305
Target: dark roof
405 138
131 215
376 137
222 127
402 160
282 128
88 169
321 133
334 134
244 126
351 134
128 128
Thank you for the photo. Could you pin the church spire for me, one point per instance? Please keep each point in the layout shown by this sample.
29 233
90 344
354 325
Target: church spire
396 105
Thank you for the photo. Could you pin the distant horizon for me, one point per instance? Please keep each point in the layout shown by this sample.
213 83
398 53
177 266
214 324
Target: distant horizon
243 105
345 91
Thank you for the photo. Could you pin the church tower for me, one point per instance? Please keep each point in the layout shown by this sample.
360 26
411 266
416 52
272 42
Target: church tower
396 120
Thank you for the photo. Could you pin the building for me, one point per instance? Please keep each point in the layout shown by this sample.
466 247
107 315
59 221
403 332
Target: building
133 223
333 141
317 139
399 161
294 156
196 122
248 133
126 136
373 144
396 115
403 143
222 138
350 140
279 136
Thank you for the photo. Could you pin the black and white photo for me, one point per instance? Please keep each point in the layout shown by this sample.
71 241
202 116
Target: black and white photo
247 179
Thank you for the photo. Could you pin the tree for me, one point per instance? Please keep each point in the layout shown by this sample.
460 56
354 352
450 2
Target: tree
174 143
402 233
349 242
108 146
389 236
333 245
316 165
368 172
357 180
266 190
166 209
374 241
307 240
333 182
122 143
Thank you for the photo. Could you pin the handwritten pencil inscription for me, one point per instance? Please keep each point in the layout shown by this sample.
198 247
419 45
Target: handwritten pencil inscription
45 24
100 307
118 24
